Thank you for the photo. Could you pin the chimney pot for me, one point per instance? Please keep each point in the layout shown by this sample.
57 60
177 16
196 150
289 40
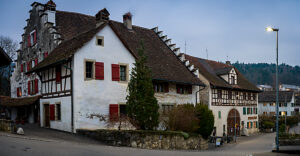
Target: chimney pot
127 20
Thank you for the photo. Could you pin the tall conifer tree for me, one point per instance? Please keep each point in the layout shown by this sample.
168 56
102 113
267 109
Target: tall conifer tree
142 106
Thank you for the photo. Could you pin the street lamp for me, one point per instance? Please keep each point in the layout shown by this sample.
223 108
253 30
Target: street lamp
277 93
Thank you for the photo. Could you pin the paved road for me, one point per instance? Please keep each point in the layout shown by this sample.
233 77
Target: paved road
14 145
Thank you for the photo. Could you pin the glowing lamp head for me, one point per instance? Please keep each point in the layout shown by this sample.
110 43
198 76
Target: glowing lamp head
269 29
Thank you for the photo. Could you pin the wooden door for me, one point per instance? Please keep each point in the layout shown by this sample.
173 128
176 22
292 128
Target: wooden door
47 115
232 120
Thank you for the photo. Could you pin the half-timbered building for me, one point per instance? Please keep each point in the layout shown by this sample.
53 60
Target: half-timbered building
87 65
231 97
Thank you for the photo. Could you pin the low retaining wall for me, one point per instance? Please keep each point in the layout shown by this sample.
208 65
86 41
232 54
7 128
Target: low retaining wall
146 139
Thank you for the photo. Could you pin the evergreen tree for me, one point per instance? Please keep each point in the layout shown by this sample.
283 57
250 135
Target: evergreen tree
142 106
207 120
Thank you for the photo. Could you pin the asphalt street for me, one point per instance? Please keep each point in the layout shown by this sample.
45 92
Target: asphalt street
13 145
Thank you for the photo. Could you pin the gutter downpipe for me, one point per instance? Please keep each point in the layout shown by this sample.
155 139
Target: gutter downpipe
198 92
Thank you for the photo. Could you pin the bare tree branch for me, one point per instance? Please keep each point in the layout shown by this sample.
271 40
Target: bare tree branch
9 46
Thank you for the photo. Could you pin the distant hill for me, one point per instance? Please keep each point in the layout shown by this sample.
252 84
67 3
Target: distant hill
264 73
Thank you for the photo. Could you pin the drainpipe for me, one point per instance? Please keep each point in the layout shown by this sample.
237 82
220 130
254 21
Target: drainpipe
72 97
198 92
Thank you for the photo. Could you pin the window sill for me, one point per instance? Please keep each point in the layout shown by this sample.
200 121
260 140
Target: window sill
124 82
88 79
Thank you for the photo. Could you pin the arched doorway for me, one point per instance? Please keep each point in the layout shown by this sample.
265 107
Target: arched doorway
233 118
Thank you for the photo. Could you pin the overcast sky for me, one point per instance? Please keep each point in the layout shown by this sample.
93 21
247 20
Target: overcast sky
231 30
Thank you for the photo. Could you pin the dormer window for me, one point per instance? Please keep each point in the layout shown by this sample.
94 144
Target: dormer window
232 77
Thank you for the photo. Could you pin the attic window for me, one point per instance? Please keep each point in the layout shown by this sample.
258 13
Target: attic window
232 77
100 40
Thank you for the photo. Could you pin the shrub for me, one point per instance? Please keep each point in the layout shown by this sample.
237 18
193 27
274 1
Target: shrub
290 121
192 119
183 118
282 129
206 118
266 121
268 124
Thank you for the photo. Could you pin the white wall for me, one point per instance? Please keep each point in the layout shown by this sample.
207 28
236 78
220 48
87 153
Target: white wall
224 114
172 97
65 103
94 96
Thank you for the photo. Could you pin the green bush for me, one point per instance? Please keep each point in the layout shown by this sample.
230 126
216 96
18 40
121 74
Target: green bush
282 129
206 118
268 124
290 120
192 119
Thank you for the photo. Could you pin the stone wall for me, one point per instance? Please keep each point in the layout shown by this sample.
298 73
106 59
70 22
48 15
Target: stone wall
5 125
146 139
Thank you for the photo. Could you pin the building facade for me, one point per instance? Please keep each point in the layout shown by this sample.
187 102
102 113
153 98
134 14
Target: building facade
286 99
230 96
81 71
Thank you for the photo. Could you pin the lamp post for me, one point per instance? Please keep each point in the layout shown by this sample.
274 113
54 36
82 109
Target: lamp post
277 93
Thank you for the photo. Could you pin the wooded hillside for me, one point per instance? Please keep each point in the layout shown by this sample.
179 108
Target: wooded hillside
264 73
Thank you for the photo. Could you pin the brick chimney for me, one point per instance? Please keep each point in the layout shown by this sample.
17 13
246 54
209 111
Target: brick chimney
127 20
102 16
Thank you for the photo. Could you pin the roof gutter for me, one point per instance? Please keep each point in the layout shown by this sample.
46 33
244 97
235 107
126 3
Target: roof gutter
53 64
180 82
232 88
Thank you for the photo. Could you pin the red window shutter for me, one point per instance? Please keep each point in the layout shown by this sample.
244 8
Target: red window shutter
28 66
35 61
166 87
58 74
115 71
36 85
52 112
21 67
99 70
28 41
28 87
113 112
34 37
45 54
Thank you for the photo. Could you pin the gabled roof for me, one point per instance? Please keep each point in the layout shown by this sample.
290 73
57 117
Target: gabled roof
212 69
66 49
71 24
162 61
16 102
160 58
270 96
4 58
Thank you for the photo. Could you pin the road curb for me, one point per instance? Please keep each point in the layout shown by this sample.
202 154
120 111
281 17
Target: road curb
287 151
26 138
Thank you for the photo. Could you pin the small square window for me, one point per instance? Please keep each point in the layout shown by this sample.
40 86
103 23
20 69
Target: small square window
100 40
